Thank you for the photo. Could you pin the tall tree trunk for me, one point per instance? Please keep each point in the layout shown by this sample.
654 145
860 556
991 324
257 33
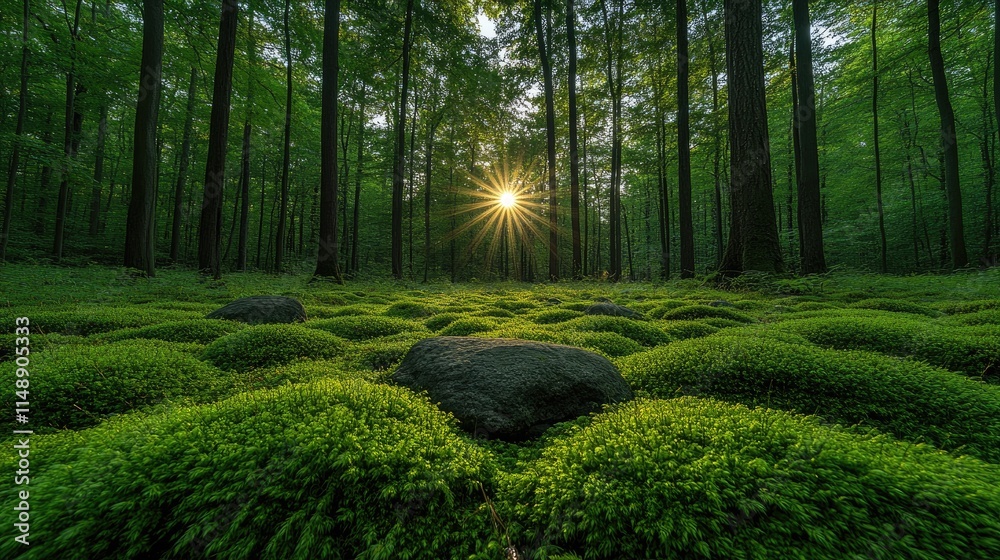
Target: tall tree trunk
15 156
279 244
550 131
241 250
210 225
397 176
356 224
684 145
428 155
175 232
44 180
95 191
949 137
139 237
411 198
716 140
260 219
753 238
574 158
73 121
327 264
810 217
883 262
613 47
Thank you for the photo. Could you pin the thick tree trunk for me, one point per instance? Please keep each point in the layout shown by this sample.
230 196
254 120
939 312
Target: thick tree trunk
398 164
753 239
15 156
139 237
327 264
949 137
684 145
810 217
574 158
210 225
550 131
883 261
177 221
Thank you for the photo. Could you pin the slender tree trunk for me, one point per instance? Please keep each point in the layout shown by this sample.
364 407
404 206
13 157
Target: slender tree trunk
356 228
613 46
753 238
44 180
139 237
327 264
429 151
241 250
397 176
716 140
210 225
95 191
73 122
550 129
15 156
574 158
684 145
175 231
628 243
279 245
949 137
883 262
411 198
260 219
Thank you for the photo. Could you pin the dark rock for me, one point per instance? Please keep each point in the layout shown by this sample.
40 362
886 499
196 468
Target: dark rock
608 308
553 301
510 389
259 310
721 303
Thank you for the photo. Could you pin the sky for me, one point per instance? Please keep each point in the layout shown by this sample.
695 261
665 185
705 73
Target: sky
486 26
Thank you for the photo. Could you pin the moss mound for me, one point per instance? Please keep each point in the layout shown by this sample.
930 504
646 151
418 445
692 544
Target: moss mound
410 310
645 333
365 327
271 345
87 321
691 478
970 353
441 320
610 344
907 399
692 312
896 306
680 330
200 331
336 469
76 386
470 325
553 316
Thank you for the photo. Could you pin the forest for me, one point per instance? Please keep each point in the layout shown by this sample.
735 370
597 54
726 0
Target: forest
499 280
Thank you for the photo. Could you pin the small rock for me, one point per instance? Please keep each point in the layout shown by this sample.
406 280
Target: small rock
259 310
510 389
608 308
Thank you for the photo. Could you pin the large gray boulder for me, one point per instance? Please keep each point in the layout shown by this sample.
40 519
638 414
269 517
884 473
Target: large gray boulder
510 389
259 310
608 308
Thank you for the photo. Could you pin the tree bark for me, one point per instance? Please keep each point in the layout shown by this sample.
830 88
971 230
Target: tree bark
73 122
810 217
753 239
15 156
550 131
883 261
95 191
210 225
949 137
684 145
241 248
574 157
139 237
398 164
356 227
175 232
279 244
327 264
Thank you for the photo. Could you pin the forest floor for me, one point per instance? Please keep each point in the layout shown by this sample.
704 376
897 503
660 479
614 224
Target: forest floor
827 417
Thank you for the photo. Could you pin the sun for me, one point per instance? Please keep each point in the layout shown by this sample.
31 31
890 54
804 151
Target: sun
508 199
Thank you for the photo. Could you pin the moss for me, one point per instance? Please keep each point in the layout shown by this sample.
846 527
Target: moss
690 312
410 310
896 306
77 386
969 306
340 467
612 345
699 478
679 330
500 313
201 331
470 325
441 320
365 327
907 399
645 333
552 316
271 345
85 321
378 355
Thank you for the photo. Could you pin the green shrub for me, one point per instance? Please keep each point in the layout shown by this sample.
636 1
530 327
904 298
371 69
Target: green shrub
201 331
335 469
500 313
896 306
814 306
984 317
441 320
365 327
970 306
642 332
347 311
515 305
410 310
900 336
523 332
665 306
85 321
612 345
298 371
691 478
907 399
553 316
271 345
690 312
470 325
679 330
76 386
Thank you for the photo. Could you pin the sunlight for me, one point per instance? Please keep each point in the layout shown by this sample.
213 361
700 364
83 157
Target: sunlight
508 200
